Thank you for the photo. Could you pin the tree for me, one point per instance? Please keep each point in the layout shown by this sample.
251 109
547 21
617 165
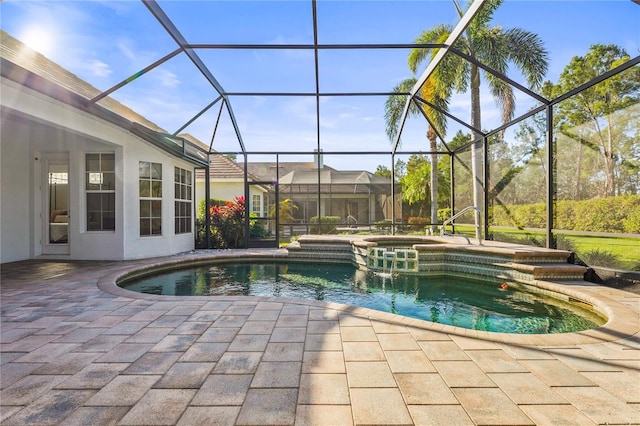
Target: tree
529 149
415 183
444 171
232 157
600 119
437 94
494 47
383 171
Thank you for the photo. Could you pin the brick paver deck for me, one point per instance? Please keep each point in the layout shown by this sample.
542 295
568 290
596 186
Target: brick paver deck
75 354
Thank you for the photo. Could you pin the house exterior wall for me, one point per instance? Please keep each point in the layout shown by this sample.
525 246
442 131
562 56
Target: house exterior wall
35 127
135 245
227 189
15 184
221 189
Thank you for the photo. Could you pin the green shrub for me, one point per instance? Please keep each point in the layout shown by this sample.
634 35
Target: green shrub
531 215
226 224
597 257
418 223
620 214
527 239
444 214
212 202
632 222
256 228
383 224
327 225
564 243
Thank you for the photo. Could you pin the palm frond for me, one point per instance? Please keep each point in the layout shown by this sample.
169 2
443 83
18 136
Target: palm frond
484 15
394 107
436 35
504 97
431 92
527 51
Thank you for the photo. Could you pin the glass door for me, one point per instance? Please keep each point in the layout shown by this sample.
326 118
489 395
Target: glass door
56 214
263 215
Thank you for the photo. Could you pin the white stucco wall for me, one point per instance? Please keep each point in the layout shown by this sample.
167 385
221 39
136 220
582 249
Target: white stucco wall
34 127
220 189
149 246
226 189
15 184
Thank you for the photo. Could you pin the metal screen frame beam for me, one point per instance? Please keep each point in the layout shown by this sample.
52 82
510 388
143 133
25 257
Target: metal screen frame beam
462 25
499 75
135 76
195 117
177 36
314 46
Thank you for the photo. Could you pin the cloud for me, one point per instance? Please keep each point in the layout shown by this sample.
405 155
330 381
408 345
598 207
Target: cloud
295 54
345 116
303 109
166 78
98 68
125 48
258 101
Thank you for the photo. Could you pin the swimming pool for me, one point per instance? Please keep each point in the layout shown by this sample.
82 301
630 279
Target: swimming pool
474 304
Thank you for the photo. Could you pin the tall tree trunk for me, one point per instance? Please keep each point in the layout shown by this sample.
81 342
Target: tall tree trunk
431 135
606 143
576 195
610 163
477 157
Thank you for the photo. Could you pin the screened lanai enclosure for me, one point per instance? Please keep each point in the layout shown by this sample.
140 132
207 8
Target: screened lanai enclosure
344 117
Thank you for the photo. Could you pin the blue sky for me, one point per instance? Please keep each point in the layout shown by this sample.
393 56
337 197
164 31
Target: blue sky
104 42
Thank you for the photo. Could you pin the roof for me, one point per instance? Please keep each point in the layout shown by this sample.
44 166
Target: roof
266 171
18 53
220 166
340 181
32 69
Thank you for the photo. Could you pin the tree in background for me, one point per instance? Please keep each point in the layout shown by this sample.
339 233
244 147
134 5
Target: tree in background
600 120
437 91
415 184
495 47
498 48
463 186
383 171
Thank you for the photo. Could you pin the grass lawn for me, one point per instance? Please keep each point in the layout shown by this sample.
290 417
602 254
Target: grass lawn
597 250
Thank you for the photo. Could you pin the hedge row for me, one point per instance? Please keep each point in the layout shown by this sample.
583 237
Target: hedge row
328 224
619 214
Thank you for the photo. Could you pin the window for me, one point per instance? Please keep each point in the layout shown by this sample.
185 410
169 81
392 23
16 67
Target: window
100 187
183 209
150 184
256 201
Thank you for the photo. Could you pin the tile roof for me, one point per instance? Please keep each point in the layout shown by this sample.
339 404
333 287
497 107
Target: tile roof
221 167
266 171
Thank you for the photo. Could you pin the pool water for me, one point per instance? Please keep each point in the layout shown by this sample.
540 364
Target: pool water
454 301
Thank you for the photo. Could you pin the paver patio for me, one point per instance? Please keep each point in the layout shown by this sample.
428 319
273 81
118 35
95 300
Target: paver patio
72 353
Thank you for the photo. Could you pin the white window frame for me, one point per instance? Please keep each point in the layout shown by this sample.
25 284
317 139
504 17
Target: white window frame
150 193
183 203
101 190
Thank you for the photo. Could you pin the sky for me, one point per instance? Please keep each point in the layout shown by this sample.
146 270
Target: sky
105 42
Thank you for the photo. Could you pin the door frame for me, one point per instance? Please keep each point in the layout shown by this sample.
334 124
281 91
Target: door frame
267 242
47 247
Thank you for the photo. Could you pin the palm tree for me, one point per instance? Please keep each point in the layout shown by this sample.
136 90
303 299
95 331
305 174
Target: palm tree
393 112
493 46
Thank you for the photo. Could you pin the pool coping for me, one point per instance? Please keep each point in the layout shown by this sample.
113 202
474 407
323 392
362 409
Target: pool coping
622 320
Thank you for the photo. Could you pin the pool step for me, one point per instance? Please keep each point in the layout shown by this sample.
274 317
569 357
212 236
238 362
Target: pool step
432 256
565 271
318 251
